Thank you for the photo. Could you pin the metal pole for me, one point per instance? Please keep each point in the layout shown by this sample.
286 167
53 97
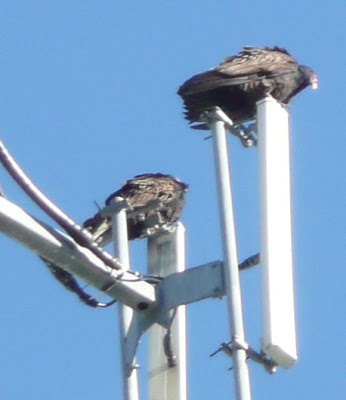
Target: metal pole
230 259
121 250
167 364
60 249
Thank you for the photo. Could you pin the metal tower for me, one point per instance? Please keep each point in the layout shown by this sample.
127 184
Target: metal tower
160 307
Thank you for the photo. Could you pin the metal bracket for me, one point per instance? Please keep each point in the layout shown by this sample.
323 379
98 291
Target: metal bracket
150 222
192 285
259 357
113 207
245 132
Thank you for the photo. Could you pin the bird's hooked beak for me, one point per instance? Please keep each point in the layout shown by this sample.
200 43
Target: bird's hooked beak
314 82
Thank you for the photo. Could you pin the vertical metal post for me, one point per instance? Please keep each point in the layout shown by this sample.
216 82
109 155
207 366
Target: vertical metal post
166 255
230 259
279 336
121 250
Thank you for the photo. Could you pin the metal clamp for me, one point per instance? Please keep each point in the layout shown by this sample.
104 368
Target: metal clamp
259 357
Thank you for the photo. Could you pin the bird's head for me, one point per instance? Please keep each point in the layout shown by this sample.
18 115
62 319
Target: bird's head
310 76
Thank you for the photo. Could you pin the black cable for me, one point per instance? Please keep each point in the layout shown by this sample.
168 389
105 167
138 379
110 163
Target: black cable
167 344
70 283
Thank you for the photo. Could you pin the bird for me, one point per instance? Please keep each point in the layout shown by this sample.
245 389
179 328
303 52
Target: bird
239 81
154 202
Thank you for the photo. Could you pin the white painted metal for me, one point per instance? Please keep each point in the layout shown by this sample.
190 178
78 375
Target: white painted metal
230 259
279 336
194 284
166 255
63 251
126 314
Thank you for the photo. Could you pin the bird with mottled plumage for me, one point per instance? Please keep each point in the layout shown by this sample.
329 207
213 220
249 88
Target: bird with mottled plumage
243 79
154 202
155 197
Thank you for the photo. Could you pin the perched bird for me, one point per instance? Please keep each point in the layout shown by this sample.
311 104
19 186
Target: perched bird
241 80
154 201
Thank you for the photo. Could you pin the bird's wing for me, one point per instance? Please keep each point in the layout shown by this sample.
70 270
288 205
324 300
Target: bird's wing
250 65
146 188
140 192
99 227
145 195
254 60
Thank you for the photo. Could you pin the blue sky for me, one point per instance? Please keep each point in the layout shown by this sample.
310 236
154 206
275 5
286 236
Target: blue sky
88 99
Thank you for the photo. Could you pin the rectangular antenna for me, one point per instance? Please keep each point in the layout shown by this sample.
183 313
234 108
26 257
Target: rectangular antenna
166 255
279 336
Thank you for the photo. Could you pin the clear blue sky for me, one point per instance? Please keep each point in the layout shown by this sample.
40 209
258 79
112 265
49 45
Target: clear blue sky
88 99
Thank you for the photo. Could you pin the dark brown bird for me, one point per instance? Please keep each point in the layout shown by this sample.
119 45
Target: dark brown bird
241 80
154 201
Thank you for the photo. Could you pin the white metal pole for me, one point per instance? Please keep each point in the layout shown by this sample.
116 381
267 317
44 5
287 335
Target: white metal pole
230 259
121 250
60 249
166 255
279 337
